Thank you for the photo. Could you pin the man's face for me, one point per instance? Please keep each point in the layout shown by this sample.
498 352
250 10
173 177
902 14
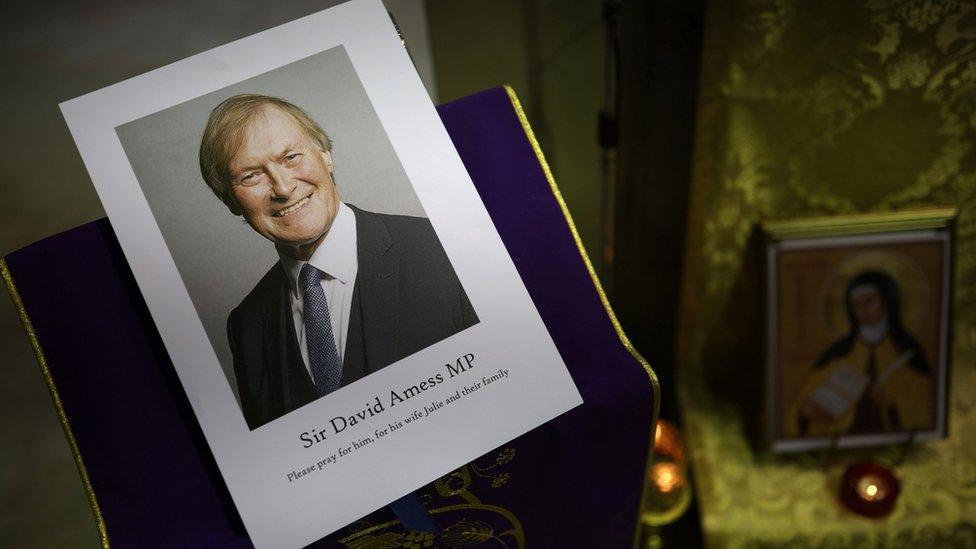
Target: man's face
283 182
869 307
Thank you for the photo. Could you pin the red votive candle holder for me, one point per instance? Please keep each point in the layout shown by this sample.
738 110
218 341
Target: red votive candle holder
869 489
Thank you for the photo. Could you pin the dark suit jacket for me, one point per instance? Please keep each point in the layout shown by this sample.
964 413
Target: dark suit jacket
406 298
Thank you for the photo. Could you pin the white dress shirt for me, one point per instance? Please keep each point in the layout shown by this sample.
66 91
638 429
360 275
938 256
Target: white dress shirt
336 257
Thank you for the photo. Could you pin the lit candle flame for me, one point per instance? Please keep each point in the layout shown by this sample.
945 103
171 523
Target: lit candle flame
667 477
871 488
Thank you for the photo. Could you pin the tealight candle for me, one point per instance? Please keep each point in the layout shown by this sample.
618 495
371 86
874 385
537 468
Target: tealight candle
869 489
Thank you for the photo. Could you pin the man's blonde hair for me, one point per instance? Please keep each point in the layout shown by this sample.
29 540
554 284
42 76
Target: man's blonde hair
224 134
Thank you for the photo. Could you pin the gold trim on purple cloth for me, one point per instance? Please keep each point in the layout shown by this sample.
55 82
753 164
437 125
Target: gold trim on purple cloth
655 385
520 113
56 398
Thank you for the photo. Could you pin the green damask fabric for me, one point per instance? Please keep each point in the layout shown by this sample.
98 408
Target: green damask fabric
816 108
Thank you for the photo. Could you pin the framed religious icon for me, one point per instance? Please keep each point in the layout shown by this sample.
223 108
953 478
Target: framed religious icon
857 329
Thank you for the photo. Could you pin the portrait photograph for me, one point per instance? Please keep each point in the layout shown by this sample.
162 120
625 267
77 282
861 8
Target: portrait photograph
297 231
857 329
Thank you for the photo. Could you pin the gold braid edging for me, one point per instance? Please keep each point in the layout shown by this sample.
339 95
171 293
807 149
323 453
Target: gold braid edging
655 385
56 397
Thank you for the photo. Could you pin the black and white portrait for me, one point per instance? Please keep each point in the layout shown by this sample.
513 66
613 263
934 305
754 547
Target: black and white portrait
305 249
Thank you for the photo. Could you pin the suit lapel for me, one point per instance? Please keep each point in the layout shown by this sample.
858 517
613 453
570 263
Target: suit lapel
378 284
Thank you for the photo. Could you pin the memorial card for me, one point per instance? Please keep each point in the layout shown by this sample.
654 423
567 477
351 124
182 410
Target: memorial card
343 316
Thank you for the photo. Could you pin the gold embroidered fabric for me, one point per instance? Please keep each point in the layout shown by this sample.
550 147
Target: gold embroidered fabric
823 108
469 522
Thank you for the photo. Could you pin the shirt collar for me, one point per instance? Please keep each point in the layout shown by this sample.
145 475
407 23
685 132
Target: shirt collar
335 256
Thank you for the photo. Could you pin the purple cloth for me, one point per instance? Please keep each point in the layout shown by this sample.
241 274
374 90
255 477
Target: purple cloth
573 482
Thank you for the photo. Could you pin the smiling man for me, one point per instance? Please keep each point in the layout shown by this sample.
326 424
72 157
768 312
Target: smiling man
353 291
